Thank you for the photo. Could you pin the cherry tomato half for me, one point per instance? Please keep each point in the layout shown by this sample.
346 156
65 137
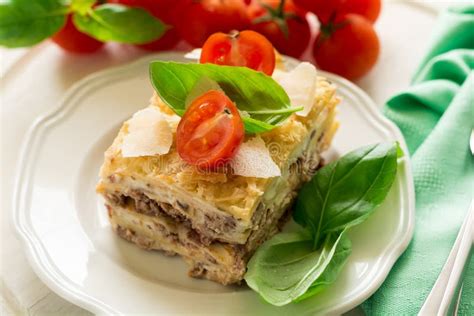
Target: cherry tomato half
247 48
210 131
72 40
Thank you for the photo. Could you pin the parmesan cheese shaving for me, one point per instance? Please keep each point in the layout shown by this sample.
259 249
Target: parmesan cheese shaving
149 134
195 54
300 85
253 160
173 120
278 75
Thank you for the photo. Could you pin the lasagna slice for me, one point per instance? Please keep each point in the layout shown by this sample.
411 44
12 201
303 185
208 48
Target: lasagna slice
214 220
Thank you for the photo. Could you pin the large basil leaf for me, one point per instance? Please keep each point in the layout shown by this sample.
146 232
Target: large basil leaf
119 23
264 100
332 271
286 267
345 192
27 22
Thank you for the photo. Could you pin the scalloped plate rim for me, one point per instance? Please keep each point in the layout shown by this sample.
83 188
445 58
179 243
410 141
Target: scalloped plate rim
70 291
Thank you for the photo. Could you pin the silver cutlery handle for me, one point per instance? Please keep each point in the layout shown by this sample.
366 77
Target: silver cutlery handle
439 301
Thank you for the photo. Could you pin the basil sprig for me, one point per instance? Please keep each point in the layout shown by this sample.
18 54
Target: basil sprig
294 266
28 22
261 98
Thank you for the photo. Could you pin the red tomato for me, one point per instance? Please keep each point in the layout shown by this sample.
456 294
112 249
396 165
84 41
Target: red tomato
200 19
293 19
324 9
153 6
166 11
210 131
247 48
349 48
72 40
370 9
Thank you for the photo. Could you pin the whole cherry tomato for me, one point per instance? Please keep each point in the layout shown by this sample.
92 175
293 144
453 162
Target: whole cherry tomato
165 10
210 131
347 46
200 19
370 9
325 9
283 24
247 48
72 40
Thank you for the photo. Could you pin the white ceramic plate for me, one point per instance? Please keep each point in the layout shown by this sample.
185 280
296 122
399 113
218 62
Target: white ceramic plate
72 248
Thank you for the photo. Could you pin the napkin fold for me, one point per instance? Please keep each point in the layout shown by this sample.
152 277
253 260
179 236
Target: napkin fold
436 116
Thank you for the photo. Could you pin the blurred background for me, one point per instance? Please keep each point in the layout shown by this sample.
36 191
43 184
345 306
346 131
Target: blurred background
340 36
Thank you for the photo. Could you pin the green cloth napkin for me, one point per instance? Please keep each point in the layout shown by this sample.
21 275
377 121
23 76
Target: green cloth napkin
436 116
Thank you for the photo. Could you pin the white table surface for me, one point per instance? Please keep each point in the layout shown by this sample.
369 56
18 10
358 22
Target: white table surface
21 292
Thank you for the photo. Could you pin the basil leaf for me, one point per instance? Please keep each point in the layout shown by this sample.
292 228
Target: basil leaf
253 92
400 153
82 6
284 268
253 126
119 23
28 22
203 85
332 271
345 192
